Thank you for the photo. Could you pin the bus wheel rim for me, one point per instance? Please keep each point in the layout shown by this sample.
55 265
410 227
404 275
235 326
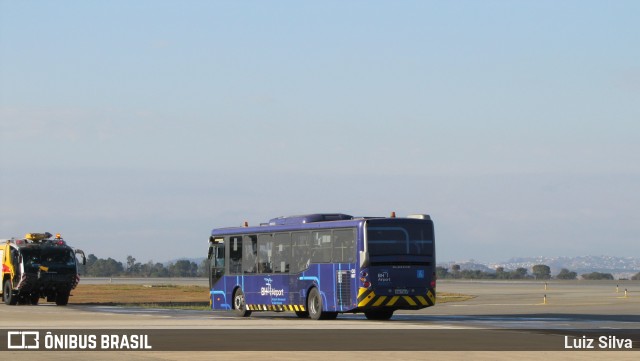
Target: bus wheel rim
239 302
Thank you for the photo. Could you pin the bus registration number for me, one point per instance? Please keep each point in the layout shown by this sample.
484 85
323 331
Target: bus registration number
401 291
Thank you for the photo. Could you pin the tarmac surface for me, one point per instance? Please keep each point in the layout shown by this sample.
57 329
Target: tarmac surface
506 319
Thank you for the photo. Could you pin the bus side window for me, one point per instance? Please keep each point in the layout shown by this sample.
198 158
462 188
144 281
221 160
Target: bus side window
300 251
265 253
249 261
235 254
344 244
321 248
281 252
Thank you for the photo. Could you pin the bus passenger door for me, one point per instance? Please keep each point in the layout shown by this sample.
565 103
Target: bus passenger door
216 261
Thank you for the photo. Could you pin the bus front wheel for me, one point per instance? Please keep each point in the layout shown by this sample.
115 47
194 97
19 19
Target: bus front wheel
240 305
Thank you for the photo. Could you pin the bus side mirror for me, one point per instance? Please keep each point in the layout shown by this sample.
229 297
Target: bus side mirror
83 257
210 252
364 259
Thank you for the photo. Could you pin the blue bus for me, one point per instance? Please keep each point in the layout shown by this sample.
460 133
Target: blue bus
320 265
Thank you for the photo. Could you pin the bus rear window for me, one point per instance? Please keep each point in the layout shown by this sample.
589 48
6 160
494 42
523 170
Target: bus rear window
400 238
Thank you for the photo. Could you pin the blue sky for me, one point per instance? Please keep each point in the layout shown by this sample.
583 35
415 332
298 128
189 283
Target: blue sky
136 127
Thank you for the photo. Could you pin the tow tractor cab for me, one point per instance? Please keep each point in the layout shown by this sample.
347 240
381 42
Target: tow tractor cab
39 266
320 265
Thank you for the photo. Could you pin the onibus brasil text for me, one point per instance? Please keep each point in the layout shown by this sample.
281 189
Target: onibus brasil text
31 340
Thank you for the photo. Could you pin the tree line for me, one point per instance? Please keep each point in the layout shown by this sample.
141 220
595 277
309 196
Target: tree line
100 267
539 272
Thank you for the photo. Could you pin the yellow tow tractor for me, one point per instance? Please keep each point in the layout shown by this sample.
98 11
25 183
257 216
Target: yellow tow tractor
39 266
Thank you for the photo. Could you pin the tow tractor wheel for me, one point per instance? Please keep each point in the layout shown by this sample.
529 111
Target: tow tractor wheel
62 298
7 294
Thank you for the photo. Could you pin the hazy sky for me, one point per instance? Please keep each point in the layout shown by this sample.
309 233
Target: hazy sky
135 127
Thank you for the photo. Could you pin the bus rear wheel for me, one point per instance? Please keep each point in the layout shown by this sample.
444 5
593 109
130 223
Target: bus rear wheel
314 304
314 307
378 315
240 305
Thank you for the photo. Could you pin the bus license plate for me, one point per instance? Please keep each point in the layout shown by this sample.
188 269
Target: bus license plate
401 291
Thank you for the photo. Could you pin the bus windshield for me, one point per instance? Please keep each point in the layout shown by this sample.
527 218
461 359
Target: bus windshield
400 238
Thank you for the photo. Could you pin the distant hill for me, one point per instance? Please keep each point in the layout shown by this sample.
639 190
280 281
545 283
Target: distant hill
619 267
